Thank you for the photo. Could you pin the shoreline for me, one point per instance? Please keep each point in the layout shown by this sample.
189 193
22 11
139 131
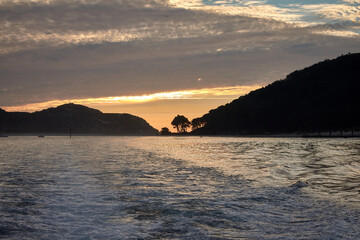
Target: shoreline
357 135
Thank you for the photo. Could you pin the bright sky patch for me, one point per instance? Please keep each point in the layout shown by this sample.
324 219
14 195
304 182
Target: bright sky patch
196 94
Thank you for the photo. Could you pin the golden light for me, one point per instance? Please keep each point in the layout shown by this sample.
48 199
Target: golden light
157 108
205 93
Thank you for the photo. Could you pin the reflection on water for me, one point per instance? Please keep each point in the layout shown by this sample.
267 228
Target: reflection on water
179 188
330 166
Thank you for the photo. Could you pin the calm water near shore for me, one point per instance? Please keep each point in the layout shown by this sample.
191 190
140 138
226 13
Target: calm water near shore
179 188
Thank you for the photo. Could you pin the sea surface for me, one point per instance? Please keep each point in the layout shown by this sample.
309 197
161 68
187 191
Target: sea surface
179 188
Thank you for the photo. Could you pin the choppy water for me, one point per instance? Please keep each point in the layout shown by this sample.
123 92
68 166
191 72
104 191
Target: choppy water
179 188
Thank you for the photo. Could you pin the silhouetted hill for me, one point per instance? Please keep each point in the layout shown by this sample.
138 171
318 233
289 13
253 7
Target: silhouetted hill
78 118
322 97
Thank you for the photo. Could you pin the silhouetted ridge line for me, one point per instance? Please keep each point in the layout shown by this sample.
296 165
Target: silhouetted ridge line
76 118
322 97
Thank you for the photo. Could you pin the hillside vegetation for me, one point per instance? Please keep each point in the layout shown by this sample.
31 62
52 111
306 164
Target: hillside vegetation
322 97
75 118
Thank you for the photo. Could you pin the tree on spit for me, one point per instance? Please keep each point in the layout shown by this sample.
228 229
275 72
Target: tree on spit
181 123
165 131
198 123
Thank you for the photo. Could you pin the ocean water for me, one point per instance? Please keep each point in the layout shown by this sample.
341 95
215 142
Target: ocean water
179 188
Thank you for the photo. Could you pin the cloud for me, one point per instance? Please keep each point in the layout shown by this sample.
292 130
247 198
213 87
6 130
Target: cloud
338 12
342 33
207 93
256 9
352 1
299 13
92 49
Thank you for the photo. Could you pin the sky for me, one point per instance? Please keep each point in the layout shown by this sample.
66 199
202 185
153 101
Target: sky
159 58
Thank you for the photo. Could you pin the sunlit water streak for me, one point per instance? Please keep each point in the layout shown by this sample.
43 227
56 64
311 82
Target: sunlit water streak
179 188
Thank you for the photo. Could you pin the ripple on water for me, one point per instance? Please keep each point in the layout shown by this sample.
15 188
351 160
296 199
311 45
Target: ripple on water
179 188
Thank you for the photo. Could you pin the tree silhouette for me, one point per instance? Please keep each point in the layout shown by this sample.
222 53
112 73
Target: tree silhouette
197 123
165 131
181 123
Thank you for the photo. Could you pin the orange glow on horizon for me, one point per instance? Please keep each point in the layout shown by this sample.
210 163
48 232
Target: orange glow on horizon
158 109
205 93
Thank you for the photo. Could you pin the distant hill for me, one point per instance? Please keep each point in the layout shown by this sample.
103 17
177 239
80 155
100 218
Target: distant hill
322 97
77 118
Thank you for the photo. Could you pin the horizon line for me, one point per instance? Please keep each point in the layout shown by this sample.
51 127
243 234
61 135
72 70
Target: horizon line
192 94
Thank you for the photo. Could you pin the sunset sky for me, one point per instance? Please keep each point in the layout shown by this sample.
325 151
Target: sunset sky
159 58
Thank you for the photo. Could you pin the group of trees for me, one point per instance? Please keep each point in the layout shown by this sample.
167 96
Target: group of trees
181 123
321 98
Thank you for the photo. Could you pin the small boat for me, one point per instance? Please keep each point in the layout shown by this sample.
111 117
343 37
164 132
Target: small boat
41 136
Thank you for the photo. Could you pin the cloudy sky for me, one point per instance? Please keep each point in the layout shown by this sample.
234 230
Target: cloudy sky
159 58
